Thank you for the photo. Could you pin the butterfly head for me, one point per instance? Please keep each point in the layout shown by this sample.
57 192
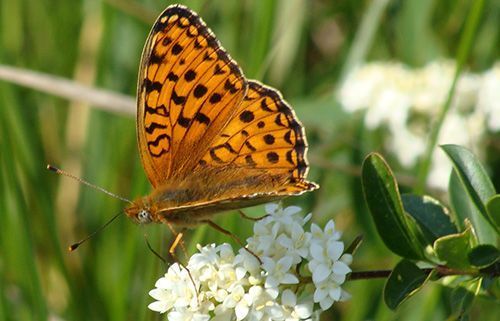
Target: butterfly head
141 213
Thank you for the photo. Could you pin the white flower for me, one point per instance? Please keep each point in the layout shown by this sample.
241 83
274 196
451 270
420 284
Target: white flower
489 97
239 301
230 287
328 264
327 292
186 315
294 310
164 303
326 235
296 243
406 102
279 272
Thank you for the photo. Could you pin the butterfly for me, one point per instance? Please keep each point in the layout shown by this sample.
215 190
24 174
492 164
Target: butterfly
210 140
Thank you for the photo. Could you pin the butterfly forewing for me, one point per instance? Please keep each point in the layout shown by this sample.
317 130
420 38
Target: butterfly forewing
189 89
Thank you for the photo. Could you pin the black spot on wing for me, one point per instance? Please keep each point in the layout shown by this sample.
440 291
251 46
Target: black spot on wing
166 41
289 157
269 139
158 110
230 87
178 100
207 57
152 85
250 146
218 70
272 157
214 156
215 98
247 116
200 90
264 106
156 142
155 59
176 49
202 118
190 75
249 160
183 121
172 77
153 126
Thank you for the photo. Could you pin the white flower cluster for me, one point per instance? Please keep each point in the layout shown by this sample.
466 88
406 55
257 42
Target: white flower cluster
298 269
407 102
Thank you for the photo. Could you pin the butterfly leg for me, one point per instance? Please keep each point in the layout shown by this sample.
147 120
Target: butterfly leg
171 252
231 235
255 219
177 241
155 252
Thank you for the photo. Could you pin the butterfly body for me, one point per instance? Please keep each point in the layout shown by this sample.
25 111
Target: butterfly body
210 140
187 201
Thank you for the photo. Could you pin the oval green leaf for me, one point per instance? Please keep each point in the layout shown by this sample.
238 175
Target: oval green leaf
454 249
493 208
461 300
384 202
404 281
459 201
431 216
479 187
484 255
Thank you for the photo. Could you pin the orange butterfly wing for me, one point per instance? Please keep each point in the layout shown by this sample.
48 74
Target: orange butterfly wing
266 138
189 88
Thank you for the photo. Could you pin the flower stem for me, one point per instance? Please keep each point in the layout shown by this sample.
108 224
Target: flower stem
493 271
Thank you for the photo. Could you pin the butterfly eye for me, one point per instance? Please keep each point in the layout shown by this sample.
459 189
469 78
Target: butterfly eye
144 217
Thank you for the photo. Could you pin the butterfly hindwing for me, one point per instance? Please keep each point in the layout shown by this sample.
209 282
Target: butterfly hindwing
188 90
264 135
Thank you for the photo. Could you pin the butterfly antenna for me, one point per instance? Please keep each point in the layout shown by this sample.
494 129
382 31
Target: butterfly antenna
61 172
74 246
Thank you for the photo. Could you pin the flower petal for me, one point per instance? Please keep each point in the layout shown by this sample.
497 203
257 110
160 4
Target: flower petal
158 306
319 294
320 274
326 303
288 298
271 208
289 278
341 268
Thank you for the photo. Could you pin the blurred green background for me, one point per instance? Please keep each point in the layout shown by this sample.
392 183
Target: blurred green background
302 47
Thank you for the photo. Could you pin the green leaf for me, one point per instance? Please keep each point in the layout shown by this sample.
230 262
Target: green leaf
484 255
353 247
459 200
404 281
461 301
454 249
383 199
493 208
478 185
432 217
